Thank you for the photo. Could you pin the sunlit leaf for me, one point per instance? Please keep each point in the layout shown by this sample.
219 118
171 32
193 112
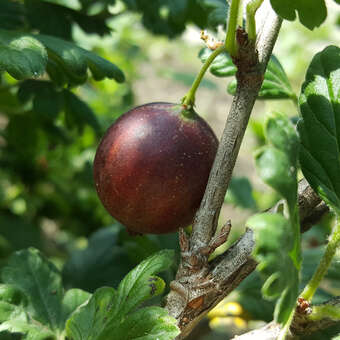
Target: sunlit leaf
320 125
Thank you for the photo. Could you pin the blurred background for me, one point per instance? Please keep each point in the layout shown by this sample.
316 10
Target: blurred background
47 196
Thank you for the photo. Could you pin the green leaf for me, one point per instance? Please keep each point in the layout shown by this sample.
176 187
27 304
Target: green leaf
275 83
30 331
40 281
74 61
217 11
139 285
222 66
72 300
108 312
277 163
145 324
89 321
78 113
47 101
319 127
240 193
9 311
311 13
12 295
21 55
102 263
274 241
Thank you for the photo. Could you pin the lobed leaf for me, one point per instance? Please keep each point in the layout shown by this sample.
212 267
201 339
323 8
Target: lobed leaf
74 61
110 313
25 56
145 324
40 281
273 243
275 84
311 13
139 284
319 127
277 163
21 55
34 305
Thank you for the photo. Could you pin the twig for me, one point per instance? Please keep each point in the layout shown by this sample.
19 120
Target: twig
303 323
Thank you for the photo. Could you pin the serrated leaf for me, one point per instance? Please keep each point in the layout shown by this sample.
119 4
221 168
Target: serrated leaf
108 311
29 331
145 324
319 128
275 83
311 13
89 321
9 311
21 55
74 61
274 241
78 113
138 285
40 281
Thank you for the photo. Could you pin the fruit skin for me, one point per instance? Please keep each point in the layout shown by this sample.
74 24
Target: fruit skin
152 166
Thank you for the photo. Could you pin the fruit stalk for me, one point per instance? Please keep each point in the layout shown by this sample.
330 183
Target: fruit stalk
252 7
189 98
230 41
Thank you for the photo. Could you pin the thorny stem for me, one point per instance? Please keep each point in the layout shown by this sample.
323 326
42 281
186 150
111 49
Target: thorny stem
230 41
189 98
324 264
252 7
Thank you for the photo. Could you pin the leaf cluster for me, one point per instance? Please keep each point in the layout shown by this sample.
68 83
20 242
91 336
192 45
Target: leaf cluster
38 307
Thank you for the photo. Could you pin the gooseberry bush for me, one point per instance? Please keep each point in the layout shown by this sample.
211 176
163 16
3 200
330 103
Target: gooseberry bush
149 287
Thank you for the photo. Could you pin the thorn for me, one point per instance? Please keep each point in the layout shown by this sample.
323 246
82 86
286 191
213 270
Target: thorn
218 240
183 240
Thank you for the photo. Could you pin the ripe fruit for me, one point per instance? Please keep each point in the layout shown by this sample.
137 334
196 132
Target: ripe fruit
152 166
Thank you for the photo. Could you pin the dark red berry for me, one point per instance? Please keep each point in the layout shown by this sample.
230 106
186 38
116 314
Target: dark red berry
152 166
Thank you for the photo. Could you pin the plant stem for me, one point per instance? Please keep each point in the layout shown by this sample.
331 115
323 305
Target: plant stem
285 330
252 7
189 98
325 262
230 40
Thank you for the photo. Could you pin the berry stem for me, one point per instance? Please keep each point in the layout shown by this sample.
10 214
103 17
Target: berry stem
324 264
233 18
252 7
189 98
